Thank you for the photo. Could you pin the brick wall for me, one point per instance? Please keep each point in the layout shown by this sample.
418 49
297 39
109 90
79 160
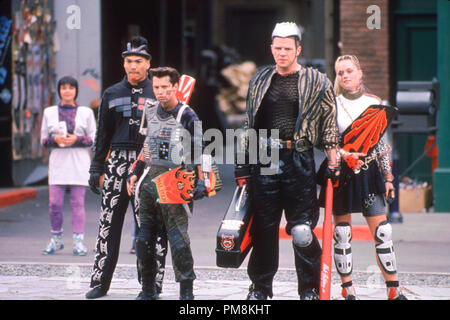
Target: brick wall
371 46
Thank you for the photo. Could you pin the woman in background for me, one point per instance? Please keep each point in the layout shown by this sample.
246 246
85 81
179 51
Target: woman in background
68 131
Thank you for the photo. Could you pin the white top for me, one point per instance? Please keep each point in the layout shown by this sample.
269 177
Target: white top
348 110
69 166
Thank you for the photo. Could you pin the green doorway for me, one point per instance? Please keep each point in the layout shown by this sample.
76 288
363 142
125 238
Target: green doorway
415 46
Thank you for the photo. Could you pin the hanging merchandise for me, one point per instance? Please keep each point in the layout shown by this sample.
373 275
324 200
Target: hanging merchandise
33 74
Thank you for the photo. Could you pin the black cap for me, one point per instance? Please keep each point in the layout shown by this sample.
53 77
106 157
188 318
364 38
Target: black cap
138 46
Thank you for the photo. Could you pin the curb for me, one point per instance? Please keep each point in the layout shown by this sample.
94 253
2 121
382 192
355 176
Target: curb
8 198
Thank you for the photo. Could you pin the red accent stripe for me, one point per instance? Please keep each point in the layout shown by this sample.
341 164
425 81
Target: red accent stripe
185 88
12 197
247 238
366 131
327 235
139 158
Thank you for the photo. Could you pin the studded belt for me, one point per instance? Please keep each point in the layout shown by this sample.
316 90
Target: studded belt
299 145
275 143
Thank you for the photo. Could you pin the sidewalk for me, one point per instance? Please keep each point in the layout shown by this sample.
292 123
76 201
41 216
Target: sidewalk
421 241
34 281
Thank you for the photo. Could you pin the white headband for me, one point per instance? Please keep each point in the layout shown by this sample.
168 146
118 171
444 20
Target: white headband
286 29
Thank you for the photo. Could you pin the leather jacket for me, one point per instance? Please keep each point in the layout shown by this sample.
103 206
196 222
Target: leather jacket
119 118
316 121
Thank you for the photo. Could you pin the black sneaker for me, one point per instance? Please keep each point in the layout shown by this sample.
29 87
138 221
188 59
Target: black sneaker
95 293
146 296
255 294
309 294
396 294
349 293
400 297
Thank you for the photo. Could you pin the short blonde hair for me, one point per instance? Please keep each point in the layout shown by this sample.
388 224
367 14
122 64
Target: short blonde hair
352 58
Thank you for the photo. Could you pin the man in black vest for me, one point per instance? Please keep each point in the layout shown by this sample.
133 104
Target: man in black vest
167 120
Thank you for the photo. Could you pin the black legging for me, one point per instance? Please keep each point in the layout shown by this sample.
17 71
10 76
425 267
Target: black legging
173 219
115 200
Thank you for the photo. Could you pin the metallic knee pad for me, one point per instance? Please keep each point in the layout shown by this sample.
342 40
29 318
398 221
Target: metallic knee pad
302 235
385 247
343 258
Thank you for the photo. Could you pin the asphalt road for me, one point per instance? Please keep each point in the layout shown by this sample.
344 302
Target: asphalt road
421 242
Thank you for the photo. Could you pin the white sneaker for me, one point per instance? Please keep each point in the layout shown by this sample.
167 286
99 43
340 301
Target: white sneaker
54 245
79 249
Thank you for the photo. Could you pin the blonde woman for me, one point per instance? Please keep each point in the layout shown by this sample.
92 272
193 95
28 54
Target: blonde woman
363 190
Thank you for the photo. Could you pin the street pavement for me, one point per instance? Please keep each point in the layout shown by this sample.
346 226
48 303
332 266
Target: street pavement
421 243
27 281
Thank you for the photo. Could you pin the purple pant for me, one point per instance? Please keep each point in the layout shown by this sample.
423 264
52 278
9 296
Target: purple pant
56 202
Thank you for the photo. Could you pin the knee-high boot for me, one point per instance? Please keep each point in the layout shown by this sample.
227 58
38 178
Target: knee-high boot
146 264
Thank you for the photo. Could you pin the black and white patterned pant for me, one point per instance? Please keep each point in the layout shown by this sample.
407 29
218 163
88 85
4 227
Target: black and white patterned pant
114 205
